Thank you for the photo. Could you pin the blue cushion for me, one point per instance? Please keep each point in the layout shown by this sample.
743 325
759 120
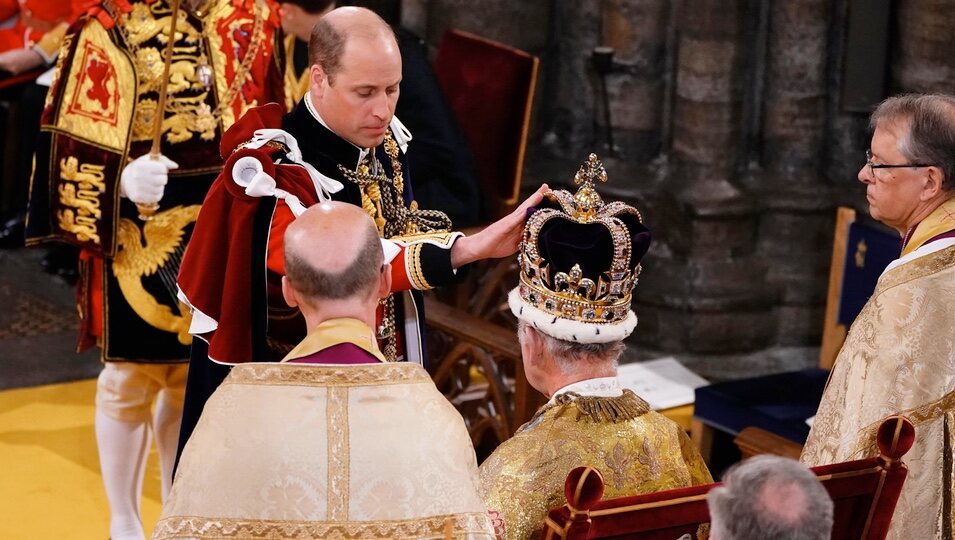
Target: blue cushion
778 403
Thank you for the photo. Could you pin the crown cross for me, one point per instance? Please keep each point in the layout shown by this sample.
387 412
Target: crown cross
587 199
574 283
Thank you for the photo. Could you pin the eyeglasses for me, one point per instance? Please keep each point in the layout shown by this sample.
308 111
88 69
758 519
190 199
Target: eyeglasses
874 166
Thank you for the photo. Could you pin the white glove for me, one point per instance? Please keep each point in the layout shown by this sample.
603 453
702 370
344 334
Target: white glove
144 179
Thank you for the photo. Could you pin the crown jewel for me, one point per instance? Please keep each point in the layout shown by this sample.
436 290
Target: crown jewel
594 242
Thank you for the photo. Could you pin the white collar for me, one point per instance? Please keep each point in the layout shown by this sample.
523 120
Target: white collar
922 251
362 152
600 387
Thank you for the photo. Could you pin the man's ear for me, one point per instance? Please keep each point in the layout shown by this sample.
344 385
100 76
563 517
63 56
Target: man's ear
288 292
932 185
532 345
384 281
317 78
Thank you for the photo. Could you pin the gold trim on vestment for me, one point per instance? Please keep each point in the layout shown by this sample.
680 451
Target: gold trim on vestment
270 373
626 406
435 527
917 415
919 268
339 453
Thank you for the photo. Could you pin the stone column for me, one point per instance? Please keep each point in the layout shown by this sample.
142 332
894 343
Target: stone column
637 30
923 59
704 290
797 204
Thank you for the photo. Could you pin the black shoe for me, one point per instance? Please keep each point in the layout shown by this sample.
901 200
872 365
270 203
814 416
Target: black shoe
12 233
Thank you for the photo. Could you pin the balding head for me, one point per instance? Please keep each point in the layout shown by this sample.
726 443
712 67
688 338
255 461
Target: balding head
333 252
338 27
770 497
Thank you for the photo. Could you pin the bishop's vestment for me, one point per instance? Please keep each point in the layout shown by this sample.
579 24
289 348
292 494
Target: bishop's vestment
899 358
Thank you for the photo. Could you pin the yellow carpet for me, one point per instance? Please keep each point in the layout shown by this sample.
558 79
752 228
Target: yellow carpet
50 483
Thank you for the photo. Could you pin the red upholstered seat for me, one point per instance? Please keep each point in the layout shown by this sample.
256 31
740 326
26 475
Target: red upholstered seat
490 88
864 493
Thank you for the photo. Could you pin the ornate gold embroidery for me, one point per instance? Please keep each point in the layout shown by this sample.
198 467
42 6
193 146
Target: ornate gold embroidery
415 272
919 268
336 415
917 415
948 481
98 95
228 93
462 525
82 198
163 236
318 375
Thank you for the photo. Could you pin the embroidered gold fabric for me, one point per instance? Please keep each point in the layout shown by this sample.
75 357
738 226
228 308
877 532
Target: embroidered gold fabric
899 357
95 106
148 251
364 451
439 527
524 477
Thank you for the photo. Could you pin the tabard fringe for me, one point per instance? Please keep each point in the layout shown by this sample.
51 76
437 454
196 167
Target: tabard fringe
603 409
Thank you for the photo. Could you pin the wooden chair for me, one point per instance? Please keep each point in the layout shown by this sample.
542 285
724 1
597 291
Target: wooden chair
864 494
780 403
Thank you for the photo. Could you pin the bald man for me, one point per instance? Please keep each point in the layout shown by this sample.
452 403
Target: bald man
338 296
770 497
332 441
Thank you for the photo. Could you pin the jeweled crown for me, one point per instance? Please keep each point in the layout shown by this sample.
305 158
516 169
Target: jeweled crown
579 257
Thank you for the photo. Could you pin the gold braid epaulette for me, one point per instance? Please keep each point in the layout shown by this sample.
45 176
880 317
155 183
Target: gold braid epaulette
597 409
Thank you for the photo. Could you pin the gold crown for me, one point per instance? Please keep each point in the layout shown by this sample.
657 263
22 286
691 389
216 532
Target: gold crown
569 294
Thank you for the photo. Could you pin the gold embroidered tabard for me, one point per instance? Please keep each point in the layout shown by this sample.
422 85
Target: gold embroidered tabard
157 248
322 451
898 358
524 477
97 104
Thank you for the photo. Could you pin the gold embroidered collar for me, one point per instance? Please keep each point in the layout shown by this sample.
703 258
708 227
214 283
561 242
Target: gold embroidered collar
941 220
334 332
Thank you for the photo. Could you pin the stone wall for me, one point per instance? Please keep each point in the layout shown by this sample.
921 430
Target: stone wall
727 133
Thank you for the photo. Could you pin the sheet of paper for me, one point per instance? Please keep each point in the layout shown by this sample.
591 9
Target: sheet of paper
663 382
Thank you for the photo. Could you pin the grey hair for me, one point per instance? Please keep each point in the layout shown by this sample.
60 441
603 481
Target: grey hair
770 497
570 356
931 135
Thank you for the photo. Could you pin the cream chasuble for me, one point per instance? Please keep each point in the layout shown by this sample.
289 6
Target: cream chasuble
326 451
636 450
899 358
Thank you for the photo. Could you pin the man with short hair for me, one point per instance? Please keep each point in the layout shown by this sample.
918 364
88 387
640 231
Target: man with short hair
332 442
770 497
343 137
898 357
579 263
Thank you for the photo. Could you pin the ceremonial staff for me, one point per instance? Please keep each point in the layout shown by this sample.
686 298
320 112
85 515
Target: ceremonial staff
146 210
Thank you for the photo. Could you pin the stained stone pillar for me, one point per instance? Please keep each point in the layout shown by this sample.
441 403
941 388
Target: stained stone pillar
637 30
706 292
798 208
923 59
